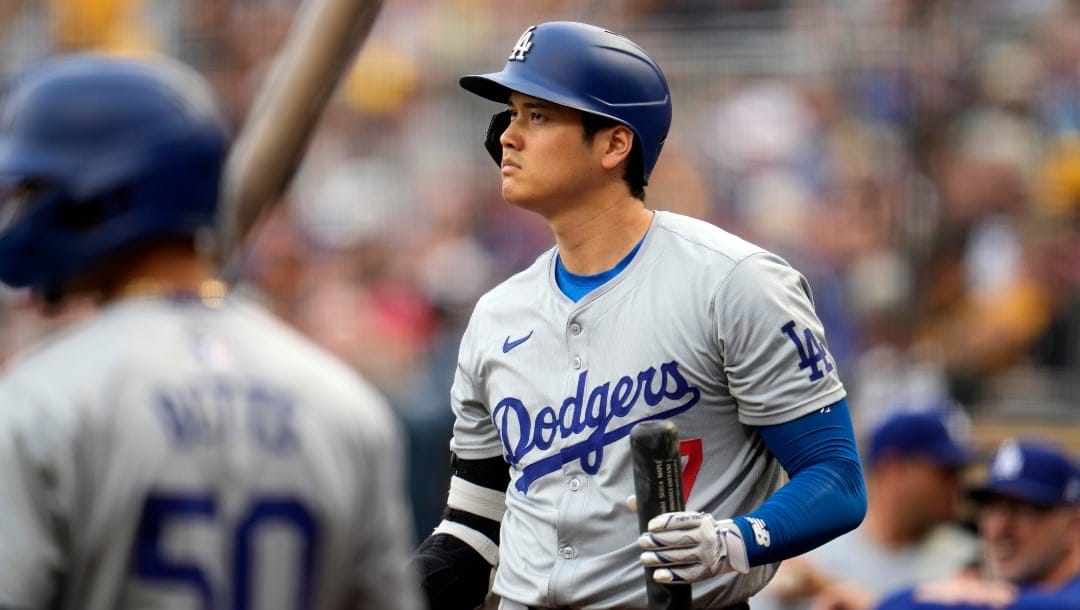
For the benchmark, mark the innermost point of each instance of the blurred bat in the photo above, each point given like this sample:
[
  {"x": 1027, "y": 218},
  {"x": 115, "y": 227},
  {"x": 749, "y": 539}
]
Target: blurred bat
[{"x": 322, "y": 42}]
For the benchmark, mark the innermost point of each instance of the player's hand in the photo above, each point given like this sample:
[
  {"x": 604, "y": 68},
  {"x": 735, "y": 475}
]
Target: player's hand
[
  {"x": 689, "y": 547},
  {"x": 967, "y": 590},
  {"x": 798, "y": 579}
]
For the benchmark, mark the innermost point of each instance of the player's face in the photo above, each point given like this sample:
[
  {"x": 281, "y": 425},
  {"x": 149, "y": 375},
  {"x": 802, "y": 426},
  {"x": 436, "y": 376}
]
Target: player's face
[
  {"x": 1026, "y": 544},
  {"x": 546, "y": 161},
  {"x": 933, "y": 491}
]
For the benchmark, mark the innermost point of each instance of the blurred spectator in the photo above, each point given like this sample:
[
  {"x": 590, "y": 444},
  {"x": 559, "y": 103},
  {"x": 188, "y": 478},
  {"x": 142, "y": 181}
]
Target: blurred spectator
[
  {"x": 275, "y": 265},
  {"x": 910, "y": 534},
  {"x": 110, "y": 26},
  {"x": 1029, "y": 524}
]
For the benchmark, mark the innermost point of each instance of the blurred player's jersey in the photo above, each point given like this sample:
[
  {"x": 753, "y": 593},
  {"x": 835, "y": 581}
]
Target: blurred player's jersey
[
  {"x": 701, "y": 328},
  {"x": 167, "y": 454}
]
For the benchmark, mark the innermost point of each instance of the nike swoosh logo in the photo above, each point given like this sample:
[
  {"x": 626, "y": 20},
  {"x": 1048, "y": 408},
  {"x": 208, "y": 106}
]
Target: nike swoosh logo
[{"x": 509, "y": 345}]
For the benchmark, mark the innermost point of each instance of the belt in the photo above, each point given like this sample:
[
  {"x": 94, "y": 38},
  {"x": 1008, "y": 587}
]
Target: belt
[{"x": 509, "y": 605}]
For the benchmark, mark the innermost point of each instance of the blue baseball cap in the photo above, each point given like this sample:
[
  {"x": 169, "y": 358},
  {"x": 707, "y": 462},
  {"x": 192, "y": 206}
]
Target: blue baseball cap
[
  {"x": 918, "y": 434},
  {"x": 1031, "y": 472}
]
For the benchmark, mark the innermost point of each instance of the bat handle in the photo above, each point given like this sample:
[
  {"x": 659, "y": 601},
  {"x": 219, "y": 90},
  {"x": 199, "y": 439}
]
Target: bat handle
[{"x": 658, "y": 488}]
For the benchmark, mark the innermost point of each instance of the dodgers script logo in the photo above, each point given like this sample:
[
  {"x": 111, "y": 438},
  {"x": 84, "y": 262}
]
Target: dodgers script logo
[{"x": 588, "y": 414}]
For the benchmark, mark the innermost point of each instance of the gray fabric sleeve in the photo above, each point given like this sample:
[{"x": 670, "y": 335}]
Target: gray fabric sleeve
[{"x": 775, "y": 357}]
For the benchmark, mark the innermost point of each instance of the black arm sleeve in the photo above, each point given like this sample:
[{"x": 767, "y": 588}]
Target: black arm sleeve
[{"x": 454, "y": 576}]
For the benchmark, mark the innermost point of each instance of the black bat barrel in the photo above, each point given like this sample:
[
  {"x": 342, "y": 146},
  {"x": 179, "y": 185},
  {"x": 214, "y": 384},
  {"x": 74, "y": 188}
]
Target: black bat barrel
[{"x": 658, "y": 487}]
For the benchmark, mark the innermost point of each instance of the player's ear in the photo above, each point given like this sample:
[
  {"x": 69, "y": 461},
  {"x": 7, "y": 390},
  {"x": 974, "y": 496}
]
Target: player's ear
[{"x": 619, "y": 142}]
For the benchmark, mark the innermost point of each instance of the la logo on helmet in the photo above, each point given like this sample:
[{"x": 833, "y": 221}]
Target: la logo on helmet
[{"x": 523, "y": 45}]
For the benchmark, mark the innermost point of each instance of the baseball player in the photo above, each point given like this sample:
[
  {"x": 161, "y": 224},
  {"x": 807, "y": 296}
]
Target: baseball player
[
  {"x": 181, "y": 448},
  {"x": 634, "y": 315},
  {"x": 1028, "y": 517}
]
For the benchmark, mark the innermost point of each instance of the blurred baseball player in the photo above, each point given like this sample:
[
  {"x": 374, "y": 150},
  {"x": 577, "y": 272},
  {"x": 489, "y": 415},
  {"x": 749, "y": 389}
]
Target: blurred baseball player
[
  {"x": 1028, "y": 511},
  {"x": 182, "y": 448},
  {"x": 634, "y": 315}
]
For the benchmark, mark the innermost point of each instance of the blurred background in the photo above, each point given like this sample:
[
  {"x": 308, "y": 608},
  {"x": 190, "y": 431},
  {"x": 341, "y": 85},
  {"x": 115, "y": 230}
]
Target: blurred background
[{"x": 918, "y": 161}]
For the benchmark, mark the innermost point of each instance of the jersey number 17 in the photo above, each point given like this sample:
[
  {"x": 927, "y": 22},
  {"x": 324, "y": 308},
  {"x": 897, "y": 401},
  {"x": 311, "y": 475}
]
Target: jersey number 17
[{"x": 690, "y": 452}]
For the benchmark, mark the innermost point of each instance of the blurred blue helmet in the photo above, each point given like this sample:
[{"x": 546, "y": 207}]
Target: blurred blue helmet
[
  {"x": 592, "y": 70},
  {"x": 98, "y": 154}
]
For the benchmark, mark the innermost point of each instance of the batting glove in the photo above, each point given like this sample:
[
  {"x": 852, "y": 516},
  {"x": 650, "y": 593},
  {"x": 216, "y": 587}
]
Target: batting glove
[{"x": 688, "y": 547}]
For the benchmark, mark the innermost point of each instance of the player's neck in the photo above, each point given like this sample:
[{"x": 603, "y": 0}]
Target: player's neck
[
  {"x": 594, "y": 238},
  {"x": 168, "y": 269}
]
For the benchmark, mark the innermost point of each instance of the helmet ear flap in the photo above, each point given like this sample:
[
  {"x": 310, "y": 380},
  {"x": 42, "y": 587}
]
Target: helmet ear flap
[{"x": 499, "y": 122}]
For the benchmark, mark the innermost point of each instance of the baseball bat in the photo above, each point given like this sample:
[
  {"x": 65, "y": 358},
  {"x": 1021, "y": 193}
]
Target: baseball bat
[
  {"x": 658, "y": 489},
  {"x": 322, "y": 41}
]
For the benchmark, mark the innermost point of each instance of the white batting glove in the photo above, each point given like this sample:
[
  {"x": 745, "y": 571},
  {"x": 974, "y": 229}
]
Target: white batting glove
[{"x": 690, "y": 547}]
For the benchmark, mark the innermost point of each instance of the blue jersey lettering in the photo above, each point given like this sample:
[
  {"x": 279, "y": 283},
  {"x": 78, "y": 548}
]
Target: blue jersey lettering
[
  {"x": 589, "y": 412},
  {"x": 811, "y": 352},
  {"x": 213, "y": 411}
]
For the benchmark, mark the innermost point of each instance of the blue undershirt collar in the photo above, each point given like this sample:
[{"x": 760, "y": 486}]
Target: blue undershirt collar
[{"x": 575, "y": 286}]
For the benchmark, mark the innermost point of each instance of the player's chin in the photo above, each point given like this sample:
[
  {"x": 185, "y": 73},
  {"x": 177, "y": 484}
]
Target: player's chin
[
  {"x": 514, "y": 193},
  {"x": 1006, "y": 565}
]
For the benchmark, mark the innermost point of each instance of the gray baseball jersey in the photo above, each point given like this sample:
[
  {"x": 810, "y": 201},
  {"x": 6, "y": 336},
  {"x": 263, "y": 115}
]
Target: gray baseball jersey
[
  {"x": 165, "y": 454},
  {"x": 701, "y": 328}
]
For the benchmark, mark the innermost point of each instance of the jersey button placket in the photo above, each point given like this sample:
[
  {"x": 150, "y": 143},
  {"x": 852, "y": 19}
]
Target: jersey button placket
[
  {"x": 573, "y": 329},
  {"x": 575, "y": 496}
]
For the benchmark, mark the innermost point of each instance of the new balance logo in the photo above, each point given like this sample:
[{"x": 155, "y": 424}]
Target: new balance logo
[
  {"x": 524, "y": 44},
  {"x": 761, "y": 531},
  {"x": 509, "y": 345}
]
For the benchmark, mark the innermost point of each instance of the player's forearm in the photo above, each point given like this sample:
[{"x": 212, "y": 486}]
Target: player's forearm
[
  {"x": 826, "y": 495},
  {"x": 455, "y": 561},
  {"x": 820, "y": 505}
]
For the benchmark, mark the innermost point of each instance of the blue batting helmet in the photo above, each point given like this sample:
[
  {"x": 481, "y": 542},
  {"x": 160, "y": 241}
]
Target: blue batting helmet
[
  {"x": 592, "y": 70},
  {"x": 98, "y": 154}
]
